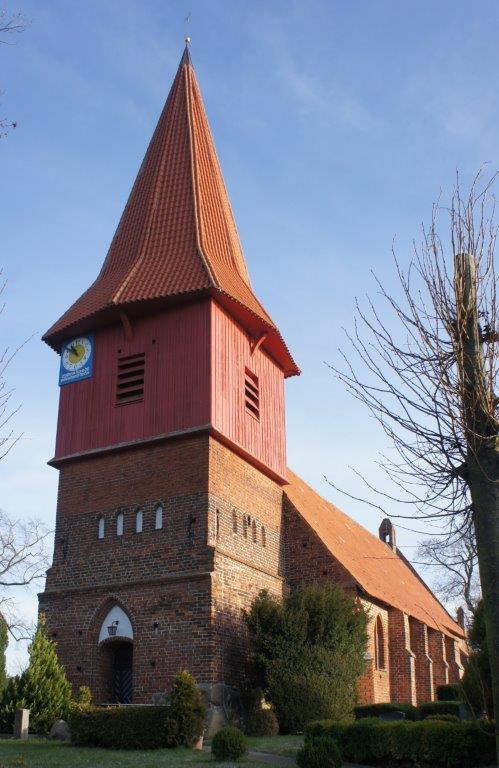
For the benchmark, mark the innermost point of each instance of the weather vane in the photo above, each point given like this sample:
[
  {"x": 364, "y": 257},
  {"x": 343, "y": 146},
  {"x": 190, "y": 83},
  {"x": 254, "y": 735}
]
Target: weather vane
[{"x": 187, "y": 39}]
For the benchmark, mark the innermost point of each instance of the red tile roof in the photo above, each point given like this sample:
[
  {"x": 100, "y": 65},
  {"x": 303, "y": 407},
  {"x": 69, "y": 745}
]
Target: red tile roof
[
  {"x": 379, "y": 571},
  {"x": 177, "y": 235}
]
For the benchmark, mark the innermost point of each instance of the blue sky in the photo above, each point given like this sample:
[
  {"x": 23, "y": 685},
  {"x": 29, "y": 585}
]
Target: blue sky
[{"x": 337, "y": 124}]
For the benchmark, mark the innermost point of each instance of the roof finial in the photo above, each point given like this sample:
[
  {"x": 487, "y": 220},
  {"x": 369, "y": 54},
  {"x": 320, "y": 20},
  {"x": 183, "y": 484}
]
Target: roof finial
[{"x": 187, "y": 40}]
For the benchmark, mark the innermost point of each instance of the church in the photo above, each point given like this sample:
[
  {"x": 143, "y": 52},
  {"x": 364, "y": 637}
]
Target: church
[{"x": 175, "y": 504}]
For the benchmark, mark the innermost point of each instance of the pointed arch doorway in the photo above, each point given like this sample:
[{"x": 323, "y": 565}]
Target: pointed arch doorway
[{"x": 116, "y": 657}]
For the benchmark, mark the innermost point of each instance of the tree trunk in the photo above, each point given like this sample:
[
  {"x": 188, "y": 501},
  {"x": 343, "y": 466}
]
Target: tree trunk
[
  {"x": 484, "y": 488},
  {"x": 482, "y": 463}
]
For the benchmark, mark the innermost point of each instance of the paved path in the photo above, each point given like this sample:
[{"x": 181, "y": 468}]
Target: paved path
[
  {"x": 287, "y": 762},
  {"x": 267, "y": 757}
]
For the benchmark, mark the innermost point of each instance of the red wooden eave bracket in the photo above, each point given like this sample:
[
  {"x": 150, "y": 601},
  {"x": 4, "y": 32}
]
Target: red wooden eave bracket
[
  {"x": 127, "y": 326},
  {"x": 256, "y": 343}
]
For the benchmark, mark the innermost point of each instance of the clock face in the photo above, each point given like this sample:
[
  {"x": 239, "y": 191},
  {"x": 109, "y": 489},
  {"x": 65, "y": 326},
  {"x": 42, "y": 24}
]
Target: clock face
[
  {"x": 76, "y": 354},
  {"x": 77, "y": 358}
]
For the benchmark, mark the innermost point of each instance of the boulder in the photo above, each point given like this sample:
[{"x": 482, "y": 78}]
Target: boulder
[{"x": 60, "y": 731}]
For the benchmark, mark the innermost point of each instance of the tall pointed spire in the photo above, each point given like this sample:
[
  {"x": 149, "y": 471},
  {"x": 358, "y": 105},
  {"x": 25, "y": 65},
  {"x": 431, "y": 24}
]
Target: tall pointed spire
[{"x": 177, "y": 235}]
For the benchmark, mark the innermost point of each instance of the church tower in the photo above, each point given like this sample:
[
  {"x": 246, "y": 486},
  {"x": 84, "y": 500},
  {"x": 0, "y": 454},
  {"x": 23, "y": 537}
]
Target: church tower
[{"x": 171, "y": 434}]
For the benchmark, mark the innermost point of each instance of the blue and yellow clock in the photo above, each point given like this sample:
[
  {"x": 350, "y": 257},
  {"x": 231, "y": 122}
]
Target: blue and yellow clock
[{"x": 77, "y": 359}]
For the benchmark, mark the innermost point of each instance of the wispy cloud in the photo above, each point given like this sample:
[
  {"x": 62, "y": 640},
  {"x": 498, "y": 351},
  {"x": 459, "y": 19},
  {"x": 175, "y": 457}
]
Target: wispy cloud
[{"x": 313, "y": 90}]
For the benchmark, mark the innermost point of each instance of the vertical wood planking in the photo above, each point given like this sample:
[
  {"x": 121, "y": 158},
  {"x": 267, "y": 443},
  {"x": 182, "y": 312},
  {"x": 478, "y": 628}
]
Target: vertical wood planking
[
  {"x": 176, "y": 384},
  {"x": 264, "y": 438}
]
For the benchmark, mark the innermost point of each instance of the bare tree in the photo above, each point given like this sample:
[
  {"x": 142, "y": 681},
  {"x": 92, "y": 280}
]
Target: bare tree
[
  {"x": 427, "y": 371},
  {"x": 454, "y": 568},
  {"x": 7, "y": 436},
  {"x": 23, "y": 562},
  {"x": 10, "y": 25}
]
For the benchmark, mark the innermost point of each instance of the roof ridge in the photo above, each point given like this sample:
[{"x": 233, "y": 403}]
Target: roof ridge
[{"x": 195, "y": 181}]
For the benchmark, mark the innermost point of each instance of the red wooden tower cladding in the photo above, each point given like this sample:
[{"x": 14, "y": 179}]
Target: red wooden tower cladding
[{"x": 175, "y": 507}]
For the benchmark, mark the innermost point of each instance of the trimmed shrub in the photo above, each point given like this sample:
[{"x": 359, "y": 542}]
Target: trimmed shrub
[
  {"x": 324, "y": 729},
  {"x": 431, "y": 743},
  {"x": 186, "y": 713},
  {"x": 444, "y": 718},
  {"x": 322, "y": 752},
  {"x": 262, "y": 722},
  {"x": 441, "y": 708},
  {"x": 229, "y": 744},
  {"x": 449, "y": 692},
  {"x": 376, "y": 710},
  {"x": 130, "y": 727}
]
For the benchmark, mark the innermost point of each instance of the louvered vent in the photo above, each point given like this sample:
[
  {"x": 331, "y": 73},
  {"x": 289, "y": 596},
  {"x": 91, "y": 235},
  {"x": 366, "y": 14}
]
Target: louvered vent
[
  {"x": 251, "y": 393},
  {"x": 130, "y": 383}
]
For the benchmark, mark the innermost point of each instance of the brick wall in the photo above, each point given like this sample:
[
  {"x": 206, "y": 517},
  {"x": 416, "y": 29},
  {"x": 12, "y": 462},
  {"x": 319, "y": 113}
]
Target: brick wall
[
  {"x": 452, "y": 652},
  {"x": 402, "y": 660},
  {"x": 245, "y": 531},
  {"x": 374, "y": 685},
  {"x": 436, "y": 647},
  {"x": 422, "y": 660},
  {"x": 307, "y": 559}
]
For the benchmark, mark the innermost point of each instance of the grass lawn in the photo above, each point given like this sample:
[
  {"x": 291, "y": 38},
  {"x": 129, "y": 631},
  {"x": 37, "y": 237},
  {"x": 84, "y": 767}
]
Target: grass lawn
[
  {"x": 276, "y": 745},
  {"x": 39, "y": 753}
]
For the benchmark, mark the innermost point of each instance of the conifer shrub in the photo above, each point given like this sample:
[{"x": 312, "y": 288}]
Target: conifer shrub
[
  {"x": 187, "y": 712},
  {"x": 476, "y": 683},
  {"x": 43, "y": 687},
  {"x": 229, "y": 744},
  {"x": 308, "y": 653},
  {"x": 84, "y": 697},
  {"x": 323, "y": 752},
  {"x": 449, "y": 692}
]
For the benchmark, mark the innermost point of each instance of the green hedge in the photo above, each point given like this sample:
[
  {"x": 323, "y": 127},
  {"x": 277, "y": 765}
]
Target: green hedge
[
  {"x": 128, "y": 727},
  {"x": 444, "y": 717},
  {"x": 375, "y": 710},
  {"x": 431, "y": 743},
  {"x": 319, "y": 753},
  {"x": 441, "y": 708},
  {"x": 449, "y": 692}
]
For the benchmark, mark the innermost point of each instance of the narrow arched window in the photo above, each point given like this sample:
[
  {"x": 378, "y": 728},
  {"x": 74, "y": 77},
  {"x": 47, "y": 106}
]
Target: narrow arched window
[
  {"x": 139, "y": 520},
  {"x": 253, "y": 531},
  {"x": 120, "y": 524},
  {"x": 218, "y": 523},
  {"x": 245, "y": 526},
  {"x": 234, "y": 521},
  {"x": 158, "y": 517},
  {"x": 264, "y": 537},
  {"x": 101, "y": 527},
  {"x": 379, "y": 644}
]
